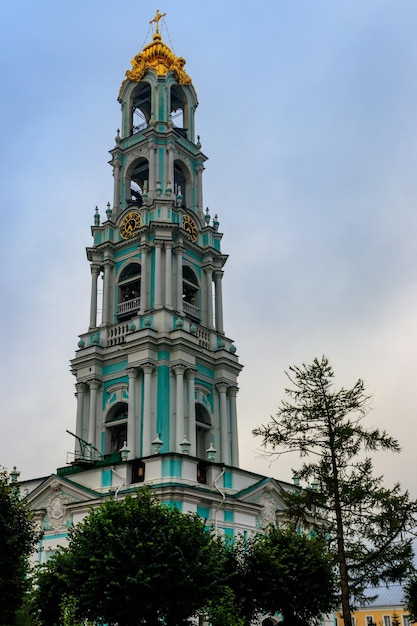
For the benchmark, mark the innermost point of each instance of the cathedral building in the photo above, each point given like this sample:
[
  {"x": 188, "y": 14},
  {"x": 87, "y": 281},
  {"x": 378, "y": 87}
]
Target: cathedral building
[{"x": 156, "y": 374}]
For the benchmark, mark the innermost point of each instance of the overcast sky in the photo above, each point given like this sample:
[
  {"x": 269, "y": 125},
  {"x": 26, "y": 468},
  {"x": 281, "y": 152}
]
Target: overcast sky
[{"x": 308, "y": 114}]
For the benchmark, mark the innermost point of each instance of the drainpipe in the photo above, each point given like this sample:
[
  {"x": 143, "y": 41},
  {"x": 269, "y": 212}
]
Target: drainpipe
[
  {"x": 223, "y": 495},
  {"x": 121, "y": 484}
]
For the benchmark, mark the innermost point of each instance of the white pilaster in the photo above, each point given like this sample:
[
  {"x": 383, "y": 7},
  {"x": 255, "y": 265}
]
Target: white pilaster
[
  {"x": 192, "y": 433},
  {"x": 179, "y": 370},
  {"x": 218, "y": 275},
  {"x": 209, "y": 281},
  {"x": 158, "y": 275},
  {"x": 168, "y": 274},
  {"x": 106, "y": 292},
  {"x": 224, "y": 435},
  {"x": 94, "y": 386},
  {"x": 116, "y": 193},
  {"x": 147, "y": 413},
  {"x": 132, "y": 435},
  {"x": 95, "y": 270},
  {"x": 143, "y": 279},
  {"x": 179, "y": 251},
  {"x": 234, "y": 434},
  {"x": 80, "y": 387}
]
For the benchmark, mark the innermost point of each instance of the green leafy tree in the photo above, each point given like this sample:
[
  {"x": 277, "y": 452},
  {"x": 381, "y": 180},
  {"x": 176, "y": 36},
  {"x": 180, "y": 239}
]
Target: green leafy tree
[
  {"x": 368, "y": 527},
  {"x": 289, "y": 573},
  {"x": 410, "y": 591},
  {"x": 133, "y": 562},
  {"x": 395, "y": 619},
  {"x": 18, "y": 539}
]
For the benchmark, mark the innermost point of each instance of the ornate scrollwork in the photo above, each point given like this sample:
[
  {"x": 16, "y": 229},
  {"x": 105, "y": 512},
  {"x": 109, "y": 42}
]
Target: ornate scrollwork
[{"x": 190, "y": 228}]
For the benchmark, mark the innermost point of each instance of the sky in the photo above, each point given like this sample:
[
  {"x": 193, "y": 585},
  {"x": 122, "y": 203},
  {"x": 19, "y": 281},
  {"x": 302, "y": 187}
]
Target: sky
[{"x": 308, "y": 114}]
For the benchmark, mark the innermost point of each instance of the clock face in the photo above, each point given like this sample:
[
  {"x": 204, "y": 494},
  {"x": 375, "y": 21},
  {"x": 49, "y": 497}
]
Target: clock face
[
  {"x": 130, "y": 223},
  {"x": 190, "y": 227}
]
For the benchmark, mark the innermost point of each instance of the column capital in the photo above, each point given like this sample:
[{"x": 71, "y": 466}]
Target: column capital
[
  {"x": 80, "y": 387},
  {"x": 222, "y": 387},
  {"x": 218, "y": 273},
  {"x": 95, "y": 268},
  {"x": 148, "y": 368},
  {"x": 158, "y": 243},
  {"x": 94, "y": 384},
  {"x": 108, "y": 263},
  {"x": 168, "y": 244},
  {"x": 191, "y": 373},
  {"x": 179, "y": 249},
  {"x": 132, "y": 372},
  {"x": 179, "y": 369},
  {"x": 209, "y": 268},
  {"x": 233, "y": 391}
]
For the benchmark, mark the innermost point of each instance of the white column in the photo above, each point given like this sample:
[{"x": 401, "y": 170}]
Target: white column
[
  {"x": 131, "y": 414},
  {"x": 192, "y": 433},
  {"x": 224, "y": 435},
  {"x": 106, "y": 292},
  {"x": 179, "y": 250},
  {"x": 143, "y": 279},
  {"x": 234, "y": 434},
  {"x": 80, "y": 387},
  {"x": 199, "y": 170},
  {"x": 158, "y": 275},
  {"x": 168, "y": 274},
  {"x": 209, "y": 279},
  {"x": 94, "y": 385},
  {"x": 218, "y": 275},
  {"x": 180, "y": 427},
  {"x": 151, "y": 168},
  {"x": 95, "y": 270},
  {"x": 171, "y": 166},
  {"x": 148, "y": 436},
  {"x": 116, "y": 193}
]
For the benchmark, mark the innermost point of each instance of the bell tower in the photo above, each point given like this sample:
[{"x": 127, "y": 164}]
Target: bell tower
[{"x": 155, "y": 372}]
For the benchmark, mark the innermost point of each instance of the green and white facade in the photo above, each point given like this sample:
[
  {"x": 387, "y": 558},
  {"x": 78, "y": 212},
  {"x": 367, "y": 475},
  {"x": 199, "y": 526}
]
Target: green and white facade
[{"x": 156, "y": 374}]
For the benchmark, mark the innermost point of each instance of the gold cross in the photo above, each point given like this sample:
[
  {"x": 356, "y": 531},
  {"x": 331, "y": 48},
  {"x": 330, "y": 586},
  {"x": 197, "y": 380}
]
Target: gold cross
[{"x": 156, "y": 19}]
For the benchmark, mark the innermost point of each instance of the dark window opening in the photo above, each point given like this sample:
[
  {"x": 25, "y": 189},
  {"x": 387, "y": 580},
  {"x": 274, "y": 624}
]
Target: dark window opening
[
  {"x": 141, "y": 108},
  {"x": 190, "y": 294},
  {"x": 178, "y": 103},
  {"x": 129, "y": 291},
  {"x": 202, "y": 473},
  {"x": 138, "y": 182},
  {"x": 180, "y": 183},
  {"x": 138, "y": 471}
]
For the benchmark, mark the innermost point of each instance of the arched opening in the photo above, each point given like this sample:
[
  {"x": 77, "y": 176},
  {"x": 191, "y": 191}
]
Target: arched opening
[
  {"x": 129, "y": 291},
  {"x": 182, "y": 180},
  {"x": 203, "y": 431},
  {"x": 269, "y": 621},
  {"x": 139, "y": 178},
  {"x": 177, "y": 110},
  {"x": 116, "y": 428},
  {"x": 190, "y": 294},
  {"x": 141, "y": 108}
]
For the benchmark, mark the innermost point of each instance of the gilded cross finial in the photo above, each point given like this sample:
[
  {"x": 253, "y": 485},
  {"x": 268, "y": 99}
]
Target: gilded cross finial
[{"x": 156, "y": 19}]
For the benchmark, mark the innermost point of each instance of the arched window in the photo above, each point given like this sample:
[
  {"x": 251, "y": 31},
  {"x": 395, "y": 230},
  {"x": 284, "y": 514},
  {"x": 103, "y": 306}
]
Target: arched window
[
  {"x": 178, "y": 105},
  {"x": 141, "y": 108},
  {"x": 116, "y": 428},
  {"x": 129, "y": 291},
  {"x": 203, "y": 431},
  {"x": 182, "y": 179},
  {"x": 190, "y": 294},
  {"x": 139, "y": 178}
]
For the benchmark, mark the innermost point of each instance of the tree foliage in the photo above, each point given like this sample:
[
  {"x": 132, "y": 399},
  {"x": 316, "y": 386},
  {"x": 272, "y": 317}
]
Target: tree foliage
[
  {"x": 132, "y": 562},
  {"x": 285, "y": 572},
  {"x": 410, "y": 590},
  {"x": 368, "y": 526},
  {"x": 18, "y": 538}
]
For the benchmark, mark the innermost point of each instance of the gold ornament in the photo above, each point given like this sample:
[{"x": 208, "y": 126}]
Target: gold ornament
[{"x": 190, "y": 228}]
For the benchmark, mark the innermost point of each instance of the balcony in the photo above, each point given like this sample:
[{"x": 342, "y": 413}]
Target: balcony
[
  {"x": 128, "y": 306},
  {"x": 191, "y": 310}
]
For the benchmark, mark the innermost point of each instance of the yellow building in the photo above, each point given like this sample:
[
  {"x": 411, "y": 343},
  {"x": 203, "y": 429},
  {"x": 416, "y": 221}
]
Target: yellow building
[{"x": 386, "y": 610}]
